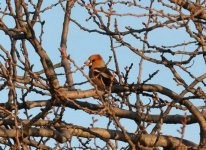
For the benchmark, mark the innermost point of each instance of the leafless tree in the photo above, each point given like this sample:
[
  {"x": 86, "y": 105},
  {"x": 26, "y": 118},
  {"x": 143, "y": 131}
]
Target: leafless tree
[{"x": 35, "y": 103}]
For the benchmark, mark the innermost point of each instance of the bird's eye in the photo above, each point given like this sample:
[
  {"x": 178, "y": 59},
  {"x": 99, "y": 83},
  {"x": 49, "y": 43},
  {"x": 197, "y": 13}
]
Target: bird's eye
[{"x": 93, "y": 60}]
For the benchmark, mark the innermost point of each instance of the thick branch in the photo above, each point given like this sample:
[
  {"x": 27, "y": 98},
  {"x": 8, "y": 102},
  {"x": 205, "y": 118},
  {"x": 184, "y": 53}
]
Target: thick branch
[
  {"x": 130, "y": 88},
  {"x": 63, "y": 134},
  {"x": 122, "y": 113}
]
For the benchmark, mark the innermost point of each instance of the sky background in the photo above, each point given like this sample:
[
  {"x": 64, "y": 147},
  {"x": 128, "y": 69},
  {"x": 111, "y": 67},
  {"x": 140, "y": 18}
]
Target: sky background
[{"x": 82, "y": 44}]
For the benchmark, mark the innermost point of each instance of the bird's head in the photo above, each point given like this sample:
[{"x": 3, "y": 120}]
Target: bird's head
[{"x": 95, "y": 61}]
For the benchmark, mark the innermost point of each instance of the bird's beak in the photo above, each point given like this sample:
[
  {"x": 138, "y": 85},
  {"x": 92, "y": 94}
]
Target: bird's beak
[{"x": 88, "y": 63}]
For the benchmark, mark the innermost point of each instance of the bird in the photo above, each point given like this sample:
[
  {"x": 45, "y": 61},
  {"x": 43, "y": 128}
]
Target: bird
[{"x": 99, "y": 74}]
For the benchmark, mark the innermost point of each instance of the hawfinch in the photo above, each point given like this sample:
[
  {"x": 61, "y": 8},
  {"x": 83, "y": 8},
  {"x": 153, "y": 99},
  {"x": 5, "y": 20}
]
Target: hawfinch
[{"x": 99, "y": 73}]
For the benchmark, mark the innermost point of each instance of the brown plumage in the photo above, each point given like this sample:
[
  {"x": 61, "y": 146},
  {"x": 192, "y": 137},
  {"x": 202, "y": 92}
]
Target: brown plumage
[{"x": 99, "y": 73}]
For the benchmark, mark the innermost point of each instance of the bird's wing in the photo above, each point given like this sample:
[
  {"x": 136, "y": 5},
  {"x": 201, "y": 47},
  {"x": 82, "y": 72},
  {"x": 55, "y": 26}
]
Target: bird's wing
[
  {"x": 104, "y": 75},
  {"x": 103, "y": 72}
]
